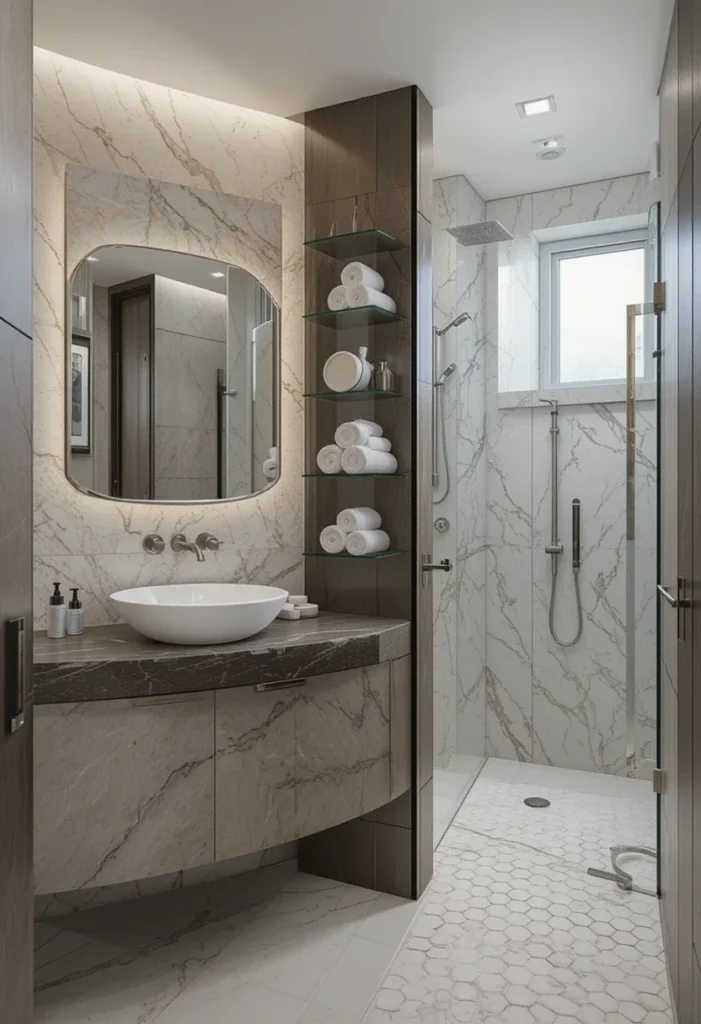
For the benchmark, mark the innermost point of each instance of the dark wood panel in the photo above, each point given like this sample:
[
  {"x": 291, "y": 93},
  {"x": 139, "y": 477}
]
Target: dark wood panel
[
  {"x": 16, "y": 880},
  {"x": 16, "y": 167},
  {"x": 340, "y": 153},
  {"x": 685, "y": 563},
  {"x": 394, "y": 139}
]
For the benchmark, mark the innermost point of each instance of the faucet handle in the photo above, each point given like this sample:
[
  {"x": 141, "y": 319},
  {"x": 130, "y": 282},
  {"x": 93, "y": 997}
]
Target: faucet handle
[
  {"x": 208, "y": 541},
  {"x": 153, "y": 543}
]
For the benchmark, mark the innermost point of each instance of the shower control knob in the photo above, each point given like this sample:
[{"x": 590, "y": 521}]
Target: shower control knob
[{"x": 442, "y": 525}]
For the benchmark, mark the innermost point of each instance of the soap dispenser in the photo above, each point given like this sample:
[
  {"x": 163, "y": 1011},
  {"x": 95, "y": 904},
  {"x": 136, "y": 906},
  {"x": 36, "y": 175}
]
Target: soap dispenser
[
  {"x": 74, "y": 615},
  {"x": 57, "y": 615}
]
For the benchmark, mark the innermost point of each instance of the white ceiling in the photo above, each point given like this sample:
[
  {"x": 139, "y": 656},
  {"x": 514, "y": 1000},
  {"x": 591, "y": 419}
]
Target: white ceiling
[
  {"x": 474, "y": 59},
  {"x": 115, "y": 264}
]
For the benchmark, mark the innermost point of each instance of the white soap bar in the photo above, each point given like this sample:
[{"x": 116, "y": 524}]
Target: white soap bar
[
  {"x": 297, "y": 599},
  {"x": 308, "y": 611},
  {"x": 288, "y": 612}
]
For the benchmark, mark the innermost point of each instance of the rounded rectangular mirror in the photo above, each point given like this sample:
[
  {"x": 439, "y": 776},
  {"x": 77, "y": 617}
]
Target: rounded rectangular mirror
[{"x": 172, "y": 377}]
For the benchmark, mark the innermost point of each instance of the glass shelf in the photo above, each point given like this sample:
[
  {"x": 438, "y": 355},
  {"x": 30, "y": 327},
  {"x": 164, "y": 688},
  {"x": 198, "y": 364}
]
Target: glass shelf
[
  {"x": 361, "y": 316},
  {"x": 355, "y": 243},
  {"x": 346, "y": 554},
  {"x": 352, "y": 396},
  {"x": 352, "y": 476}
]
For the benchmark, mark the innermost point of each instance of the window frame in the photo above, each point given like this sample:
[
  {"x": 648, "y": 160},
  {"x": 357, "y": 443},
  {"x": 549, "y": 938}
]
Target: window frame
[{"x": 551, "y": 256}]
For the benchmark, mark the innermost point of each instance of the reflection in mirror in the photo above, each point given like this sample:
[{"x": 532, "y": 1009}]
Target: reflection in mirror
[{"x": 173, "y": 377}]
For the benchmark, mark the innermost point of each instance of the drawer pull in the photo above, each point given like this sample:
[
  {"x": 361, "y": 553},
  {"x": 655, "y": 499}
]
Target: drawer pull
[
  {"x": 280, "y": 684},
  {"x": 15, "y": 673}
]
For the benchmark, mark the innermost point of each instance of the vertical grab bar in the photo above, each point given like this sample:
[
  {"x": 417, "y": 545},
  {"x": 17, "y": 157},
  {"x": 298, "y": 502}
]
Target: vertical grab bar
[{"x": 576, "y": 556}]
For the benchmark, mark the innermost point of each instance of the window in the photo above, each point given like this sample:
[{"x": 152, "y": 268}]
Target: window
[{"x": 586, "y": 284}]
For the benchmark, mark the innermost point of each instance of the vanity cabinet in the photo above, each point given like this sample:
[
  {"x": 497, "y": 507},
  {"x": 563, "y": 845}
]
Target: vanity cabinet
[
  {"x": 123, "y": 789},
  {"x": 132, "y": 788}
]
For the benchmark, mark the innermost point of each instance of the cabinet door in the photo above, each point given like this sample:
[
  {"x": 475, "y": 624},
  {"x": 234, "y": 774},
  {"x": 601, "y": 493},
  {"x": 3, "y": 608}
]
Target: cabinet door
[
  {"x": 124, "y": 789},
  {"x": 255, "y": 766},
  {"x": 343, "y": 747}
]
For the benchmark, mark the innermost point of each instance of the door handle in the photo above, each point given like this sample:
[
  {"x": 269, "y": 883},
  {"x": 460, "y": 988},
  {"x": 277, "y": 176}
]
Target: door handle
[
  {"x": 681, "y": 602},
  {"x": 15, "y": 673}
]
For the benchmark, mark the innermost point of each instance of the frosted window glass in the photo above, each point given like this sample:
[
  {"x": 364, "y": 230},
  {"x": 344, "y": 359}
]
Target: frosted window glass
[{"x": 594, "y": 292}]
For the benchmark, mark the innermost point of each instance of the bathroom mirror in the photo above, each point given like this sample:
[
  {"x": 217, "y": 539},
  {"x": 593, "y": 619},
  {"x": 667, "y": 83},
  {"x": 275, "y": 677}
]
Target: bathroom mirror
[{"x": 172, "y": 377}]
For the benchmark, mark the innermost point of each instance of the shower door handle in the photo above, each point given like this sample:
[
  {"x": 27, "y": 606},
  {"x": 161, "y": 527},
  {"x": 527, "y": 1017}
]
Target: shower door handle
[
  {"x": 445, "y": 565},
  {"x": 681, "y": 602}
]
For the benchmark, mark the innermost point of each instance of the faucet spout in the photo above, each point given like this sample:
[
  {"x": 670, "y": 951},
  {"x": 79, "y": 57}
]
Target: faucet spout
[{"x": 179, "y": 542}]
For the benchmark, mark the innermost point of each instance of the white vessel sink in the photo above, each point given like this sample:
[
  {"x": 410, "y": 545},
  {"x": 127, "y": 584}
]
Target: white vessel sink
[{"x": 200, "y": 613}]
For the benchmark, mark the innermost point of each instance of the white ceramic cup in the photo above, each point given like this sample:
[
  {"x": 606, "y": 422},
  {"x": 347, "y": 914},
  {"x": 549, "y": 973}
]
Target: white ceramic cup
[{"x": 346, "y": 371}]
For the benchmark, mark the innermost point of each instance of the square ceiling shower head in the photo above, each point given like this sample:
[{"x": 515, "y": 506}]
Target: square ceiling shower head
[{"x": 481, "y": 234}]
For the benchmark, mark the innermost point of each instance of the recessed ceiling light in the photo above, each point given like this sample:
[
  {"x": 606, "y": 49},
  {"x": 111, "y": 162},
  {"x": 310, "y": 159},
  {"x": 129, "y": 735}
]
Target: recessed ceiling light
[
  {"x": 92, "y": 259},
  {"x": 549, "y": 149},
  {"x": 217, "y": 273},
  {"x": 528, "y": 108}
]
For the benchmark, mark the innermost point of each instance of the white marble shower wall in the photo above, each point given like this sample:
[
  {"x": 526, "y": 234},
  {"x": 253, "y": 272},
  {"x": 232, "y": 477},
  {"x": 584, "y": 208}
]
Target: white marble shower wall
[
  {"x": 112, "y": 123},
  {"x": 460, "y": 596},
  {"x": 546, "y": 703}
]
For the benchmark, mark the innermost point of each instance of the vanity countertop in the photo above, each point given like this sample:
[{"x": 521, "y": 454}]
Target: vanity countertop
[{"x": 109, "y": 662}]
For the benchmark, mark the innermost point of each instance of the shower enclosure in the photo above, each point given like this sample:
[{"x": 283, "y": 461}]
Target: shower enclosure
[{"x": 546, "y": 633}]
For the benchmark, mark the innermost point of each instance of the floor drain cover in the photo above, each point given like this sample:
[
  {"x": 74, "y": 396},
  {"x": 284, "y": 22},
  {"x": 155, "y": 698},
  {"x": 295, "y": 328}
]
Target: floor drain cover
[{"x": 536, "y": 801}]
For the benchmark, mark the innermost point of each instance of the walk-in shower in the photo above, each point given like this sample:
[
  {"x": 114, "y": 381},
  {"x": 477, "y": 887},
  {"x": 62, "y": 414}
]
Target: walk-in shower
[{"x": 555, "y": 548}]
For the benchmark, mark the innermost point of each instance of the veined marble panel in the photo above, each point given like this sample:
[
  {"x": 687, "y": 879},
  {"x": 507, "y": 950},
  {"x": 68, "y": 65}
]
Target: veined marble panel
[
  {"x": 197, "y": 312},
  {"x": 343, "y": 747},
  {"x": 255, "y": 733},
  {"x": 111, "y": 123},
  {"x": 594, "y": 201},
  {"x": 102, "y": 817},
  {"x": 186, "y": 380}
]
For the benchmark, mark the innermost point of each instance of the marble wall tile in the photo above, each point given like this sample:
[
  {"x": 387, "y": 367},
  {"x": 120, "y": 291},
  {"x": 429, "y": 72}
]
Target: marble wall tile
[
  {"x": 343, "y": 747},
  {"x": 111, "y": 123},
  {"x": 400, "y": 727},
  {"x": 255, "y": 735},
  {"x": 196, "y": 312},
  {"x": 558, "y": 705},
  {"x": 102, "y": 818}
]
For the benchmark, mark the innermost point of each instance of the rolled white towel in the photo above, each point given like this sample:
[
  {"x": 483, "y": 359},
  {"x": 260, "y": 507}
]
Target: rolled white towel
[
  {"x": 338, "y": 298},
  {"x": 358, "y": 459},
  {"x": 333, "y": 539},
  {"x": 329, "y": 459},
  {"x": 363, "y": 518},
  {"x": 379, "y": 444},
  {"x": 270, "y": 469},
  {"x": 356, "y": 432},
  {"x": 273, "y": 453},
  {"x": 361, "y": 295},
  {"x": 308, "y": 611},
  {"x": 357, "y": 273},
  {"x": 367, "y": 542},
  {"x": 288, "y": 611}
]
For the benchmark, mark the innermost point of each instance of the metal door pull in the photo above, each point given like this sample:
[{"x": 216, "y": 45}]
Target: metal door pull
[{"x": 15, "y": 673}]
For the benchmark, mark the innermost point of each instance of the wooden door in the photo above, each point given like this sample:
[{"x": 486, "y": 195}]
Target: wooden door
[{"x": 16, "y": 880}]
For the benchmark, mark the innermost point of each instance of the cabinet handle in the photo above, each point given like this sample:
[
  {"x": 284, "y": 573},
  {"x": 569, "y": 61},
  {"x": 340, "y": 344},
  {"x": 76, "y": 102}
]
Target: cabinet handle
[
  {"x": 279, "y": 684},
  {"x": 15, "y": 673}
]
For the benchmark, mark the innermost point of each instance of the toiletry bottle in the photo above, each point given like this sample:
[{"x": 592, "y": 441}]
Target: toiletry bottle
[
  {"x": 74, "y": 615},
  {"x": 383, "y": 378},
  {"x": 57, "y": 615}
]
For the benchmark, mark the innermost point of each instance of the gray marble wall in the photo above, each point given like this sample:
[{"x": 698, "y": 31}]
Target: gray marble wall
[{"x": 95, "y": 118}]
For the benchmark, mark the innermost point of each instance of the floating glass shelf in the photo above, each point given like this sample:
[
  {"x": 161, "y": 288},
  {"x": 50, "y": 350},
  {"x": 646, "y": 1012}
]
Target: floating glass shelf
[
  {"x": 355, "y": 243},
  {"x": 353, "y": 476},
  {"x": 352, "y": 396},
  {"x": 346, "y": 554},
  {"x": 361, "y": 316}
]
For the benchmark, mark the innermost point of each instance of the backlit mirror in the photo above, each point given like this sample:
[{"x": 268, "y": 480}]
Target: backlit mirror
[{"x": 172, "y": 389}]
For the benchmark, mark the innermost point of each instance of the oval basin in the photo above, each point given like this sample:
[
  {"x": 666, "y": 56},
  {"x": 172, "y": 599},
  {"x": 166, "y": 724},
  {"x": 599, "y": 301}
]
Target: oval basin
[{"x": 200, "y": 613}]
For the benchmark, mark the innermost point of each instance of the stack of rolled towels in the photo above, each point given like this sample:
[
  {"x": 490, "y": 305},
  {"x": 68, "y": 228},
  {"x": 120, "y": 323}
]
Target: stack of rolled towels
[
  {"x": 359, "y": 448},
  {"x": 360, "y": 286},
  {"x": 357, "y": 531},
  {"x": 270, "y": 465}
]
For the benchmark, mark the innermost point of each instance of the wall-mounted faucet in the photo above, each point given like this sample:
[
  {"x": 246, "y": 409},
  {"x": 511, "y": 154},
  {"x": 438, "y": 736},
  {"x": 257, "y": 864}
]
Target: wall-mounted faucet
[{"x": 204, "y": 542}]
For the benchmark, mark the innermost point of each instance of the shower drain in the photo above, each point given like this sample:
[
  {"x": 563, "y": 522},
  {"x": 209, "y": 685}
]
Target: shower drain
[{"x": 536, "y": 801}]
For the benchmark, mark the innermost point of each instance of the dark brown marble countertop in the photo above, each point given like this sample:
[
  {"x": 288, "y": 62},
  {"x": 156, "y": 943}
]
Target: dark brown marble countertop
[{"x": 108, "y": 662}]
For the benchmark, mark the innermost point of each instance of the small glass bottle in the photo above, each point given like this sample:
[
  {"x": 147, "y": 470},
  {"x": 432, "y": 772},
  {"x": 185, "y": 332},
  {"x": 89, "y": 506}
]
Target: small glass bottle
[
  {"x": 383, "y": 379},
  {"x": 74, "y": 615},
  {"x": 56, "y": 625}
]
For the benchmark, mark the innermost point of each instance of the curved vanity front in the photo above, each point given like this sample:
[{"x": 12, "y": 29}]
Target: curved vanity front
[{"x": 151, "y": 759}]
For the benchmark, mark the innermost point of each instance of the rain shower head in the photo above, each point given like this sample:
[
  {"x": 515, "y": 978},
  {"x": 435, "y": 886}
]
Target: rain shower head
[{"x": 481, "y": 234}]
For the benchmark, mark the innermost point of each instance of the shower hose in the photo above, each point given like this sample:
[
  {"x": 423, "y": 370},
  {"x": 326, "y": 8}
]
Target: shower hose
[
  {"x": 444, "y": 447},
  {"x": 580, "y": 618}
]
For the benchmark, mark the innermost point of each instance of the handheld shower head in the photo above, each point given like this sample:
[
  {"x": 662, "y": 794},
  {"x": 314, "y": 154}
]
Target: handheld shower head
[
  {"x": 455, "y": 322},
  {"x": 448, "y": 372}
]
